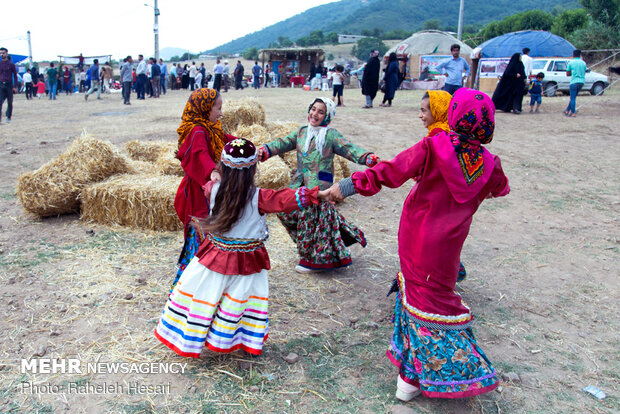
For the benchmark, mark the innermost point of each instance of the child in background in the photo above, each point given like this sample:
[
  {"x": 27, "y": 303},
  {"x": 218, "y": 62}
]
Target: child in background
[
  {"x": 221, "y": 299},
  {"x": 338, "y": 84},
  {"x": 536, "y": 89},
  {"x": 39, "y": 87},
  {"x": 321, "y": 233},
  {"x": 201, "y": 140},
  {"x": 433, "y": 344},
  {"x": 434, "y": 117}
]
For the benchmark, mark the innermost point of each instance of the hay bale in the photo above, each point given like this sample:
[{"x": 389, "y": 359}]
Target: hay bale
[
  {"x": 280, "y": 129},
  {"x": 290, "y": 158},
  {"x": 148, "y": 150},
  {"x": 246, "y": 111},
  {"x": 142, "y": 167},
  {"x": 54, "y": 188},
  {"x": 169, "y": 164},
  {"x": 341, "y": 168},
  {"x": 256, "y": 133},
  {"x": 139, "y": 201},
  {"x": 273, "y": 173}
]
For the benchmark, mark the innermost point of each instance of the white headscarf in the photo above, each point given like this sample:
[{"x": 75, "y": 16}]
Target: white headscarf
[{"x": 319, "y": 133}]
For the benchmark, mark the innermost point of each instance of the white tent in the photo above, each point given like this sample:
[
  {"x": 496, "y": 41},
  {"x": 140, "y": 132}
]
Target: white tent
[{"x": 425, "y": 48}]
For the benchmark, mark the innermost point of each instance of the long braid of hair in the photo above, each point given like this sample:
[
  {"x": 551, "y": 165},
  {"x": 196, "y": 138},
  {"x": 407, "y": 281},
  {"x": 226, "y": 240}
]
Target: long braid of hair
[{"x": 236, "y": 191}]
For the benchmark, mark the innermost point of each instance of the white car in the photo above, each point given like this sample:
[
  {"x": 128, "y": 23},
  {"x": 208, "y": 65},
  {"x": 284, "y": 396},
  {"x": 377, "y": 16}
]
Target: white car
[{"x": 557, "y": 80}]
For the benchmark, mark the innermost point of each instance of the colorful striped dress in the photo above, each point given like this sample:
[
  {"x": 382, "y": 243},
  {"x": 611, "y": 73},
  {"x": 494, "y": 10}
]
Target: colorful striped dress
[{"x": 221, "y": 300}]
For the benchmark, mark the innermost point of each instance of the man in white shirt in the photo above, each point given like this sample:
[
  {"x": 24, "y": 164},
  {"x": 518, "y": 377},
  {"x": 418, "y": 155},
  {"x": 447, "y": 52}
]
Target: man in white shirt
[
  {"x": 192, "y": 75},
  {"x": 527, "y": 63},
  {"x": 141, "y": 77},
  {"x": 218, "y": 71},
  {"x": 28, "y": 84}
]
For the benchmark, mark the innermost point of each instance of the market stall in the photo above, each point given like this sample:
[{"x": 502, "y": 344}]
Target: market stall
[{"x": 293, "y": 62}]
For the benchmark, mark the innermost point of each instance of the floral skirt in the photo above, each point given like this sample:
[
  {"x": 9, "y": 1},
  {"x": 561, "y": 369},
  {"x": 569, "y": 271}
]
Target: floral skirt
[
  {"x": 442, "y": 363},
  {"x": 222, "y": 312},
  {"x": 190, "y": 247},
  {"x": 322, "y": 235}
]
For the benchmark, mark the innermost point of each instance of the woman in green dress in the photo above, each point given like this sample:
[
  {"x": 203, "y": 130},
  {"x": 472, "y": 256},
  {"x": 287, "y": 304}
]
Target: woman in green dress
[{"x": 322, "y": 234}]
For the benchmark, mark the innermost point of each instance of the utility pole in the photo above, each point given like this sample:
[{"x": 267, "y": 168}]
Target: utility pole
[
  {"x": 156, "y": 31},
  {"x": 29, "y": 48},
  {"x": 461, "y": 11}
]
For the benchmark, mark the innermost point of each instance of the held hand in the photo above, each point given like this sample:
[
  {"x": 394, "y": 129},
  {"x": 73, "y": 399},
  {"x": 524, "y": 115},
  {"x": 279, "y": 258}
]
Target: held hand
[
  {"x": 336, "y": 194},
  {"x": 215, "y": 176},
  {"x": 325, "y": 195},
  {"x": 260, "y": 153}
]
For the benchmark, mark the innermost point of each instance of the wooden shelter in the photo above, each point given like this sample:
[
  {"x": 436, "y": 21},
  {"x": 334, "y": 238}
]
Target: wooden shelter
[{"x": 290, "y": 62}]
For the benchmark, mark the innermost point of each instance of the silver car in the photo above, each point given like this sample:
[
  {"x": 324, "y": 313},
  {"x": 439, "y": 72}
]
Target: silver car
[{"x": 557, "y": 80}]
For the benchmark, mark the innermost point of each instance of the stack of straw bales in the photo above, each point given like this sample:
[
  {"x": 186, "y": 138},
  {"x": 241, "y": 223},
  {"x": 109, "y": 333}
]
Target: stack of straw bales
[
  {"x": 54, "y": 188},
  {"x": 148, "y": 150},
  {"x": 168, "y": 164},
  {"x": 256, "y": 133},
  {"x": 154, "y": 157},
  {"x": 246, "y": 111},
  {"x": 140, "y": 201},
  {"x": 273, "y": 173}
]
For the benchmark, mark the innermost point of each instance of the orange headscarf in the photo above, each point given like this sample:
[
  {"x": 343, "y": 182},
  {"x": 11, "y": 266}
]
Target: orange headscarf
[
  {"x": 439, "y": 102},
  {"x": 196, "y": 112}
]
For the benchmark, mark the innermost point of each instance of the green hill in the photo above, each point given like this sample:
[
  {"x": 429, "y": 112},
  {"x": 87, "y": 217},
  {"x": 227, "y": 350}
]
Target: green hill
[{"x": 353, "y": 16}]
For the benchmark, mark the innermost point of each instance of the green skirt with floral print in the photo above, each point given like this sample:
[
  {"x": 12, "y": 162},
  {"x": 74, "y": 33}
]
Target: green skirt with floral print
[{"x": 322, "y": 235}]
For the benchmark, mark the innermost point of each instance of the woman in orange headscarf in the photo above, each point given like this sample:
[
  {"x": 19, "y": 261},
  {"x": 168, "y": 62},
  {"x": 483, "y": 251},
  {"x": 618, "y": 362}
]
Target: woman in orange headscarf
[
  {"x": 201, "y": 141},
  {"x": 434, "y": 111}
]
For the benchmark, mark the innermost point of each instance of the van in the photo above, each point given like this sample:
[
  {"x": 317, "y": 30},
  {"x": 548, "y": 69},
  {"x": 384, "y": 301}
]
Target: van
[{"x": 557, "y": 80}]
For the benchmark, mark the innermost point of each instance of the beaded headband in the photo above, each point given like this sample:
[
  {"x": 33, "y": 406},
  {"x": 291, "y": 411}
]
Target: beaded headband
[{"x": 239, "y": 153}]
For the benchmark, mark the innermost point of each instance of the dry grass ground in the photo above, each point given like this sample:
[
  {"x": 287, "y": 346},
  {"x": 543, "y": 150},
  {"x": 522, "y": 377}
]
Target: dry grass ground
[{"x": 543, "y": 273}]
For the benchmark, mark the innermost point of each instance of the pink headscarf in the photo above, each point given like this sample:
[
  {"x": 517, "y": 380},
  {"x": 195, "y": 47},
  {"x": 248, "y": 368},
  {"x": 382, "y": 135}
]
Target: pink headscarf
[{"x": 462, "y": 159}]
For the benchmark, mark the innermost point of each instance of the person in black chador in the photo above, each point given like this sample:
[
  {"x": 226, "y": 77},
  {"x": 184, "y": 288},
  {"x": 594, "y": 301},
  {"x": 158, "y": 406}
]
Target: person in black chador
[
  {"x": 370, "y": 78},
  {"x": 508, "y": 95}
]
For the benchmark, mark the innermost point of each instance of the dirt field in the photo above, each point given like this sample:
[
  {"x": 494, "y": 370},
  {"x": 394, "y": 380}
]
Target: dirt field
[{"x": 542, "y": 274}]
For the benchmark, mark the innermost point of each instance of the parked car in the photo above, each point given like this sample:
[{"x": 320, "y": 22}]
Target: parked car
[{"x": 557, "y": 80}]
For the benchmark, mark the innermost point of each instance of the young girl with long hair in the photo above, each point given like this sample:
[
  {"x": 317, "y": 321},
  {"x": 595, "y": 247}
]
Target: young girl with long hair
[
  {"x": 433, "y": 344},
  {"x": 321, "y": 233},
  {"x": 221, "y": 299}
]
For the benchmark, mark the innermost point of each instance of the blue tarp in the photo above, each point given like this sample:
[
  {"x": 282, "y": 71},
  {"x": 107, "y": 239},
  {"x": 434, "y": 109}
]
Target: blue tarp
[
  {"x": 541, "y": 44},
  {"x": 17, "y": 58}
]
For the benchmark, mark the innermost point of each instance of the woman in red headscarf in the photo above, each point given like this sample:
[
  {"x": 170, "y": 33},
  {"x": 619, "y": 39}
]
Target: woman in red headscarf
[
  {"x": 433, "y": 344},
  {"x": 201, "y": 141}
]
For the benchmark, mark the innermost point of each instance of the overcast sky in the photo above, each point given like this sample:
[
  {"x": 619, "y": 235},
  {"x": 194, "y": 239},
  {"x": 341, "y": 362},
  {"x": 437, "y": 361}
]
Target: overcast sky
[{"x": 125, "y": 27}]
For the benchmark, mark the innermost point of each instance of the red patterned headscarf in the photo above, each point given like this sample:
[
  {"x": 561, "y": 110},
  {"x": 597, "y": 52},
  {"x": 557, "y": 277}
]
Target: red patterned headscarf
[
  {"x": 196, "y": 112},
  {"x": 472, "y": 122},
  {"x": 471, "y": 116}
]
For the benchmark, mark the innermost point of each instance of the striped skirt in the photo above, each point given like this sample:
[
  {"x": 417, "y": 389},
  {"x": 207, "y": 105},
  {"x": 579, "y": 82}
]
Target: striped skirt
[{"x": 224, "y": 313}]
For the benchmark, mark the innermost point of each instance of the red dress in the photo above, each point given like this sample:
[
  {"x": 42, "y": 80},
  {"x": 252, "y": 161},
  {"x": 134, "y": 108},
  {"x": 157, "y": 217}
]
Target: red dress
[{"x": 197, "y": 160}]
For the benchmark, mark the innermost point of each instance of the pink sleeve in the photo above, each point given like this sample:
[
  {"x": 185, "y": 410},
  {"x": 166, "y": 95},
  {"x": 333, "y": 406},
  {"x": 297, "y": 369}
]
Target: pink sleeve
[
  {"x": 394, "y": 173},
  {"x": 502, "y": 187},
  {"x": 286, "y": 200}
]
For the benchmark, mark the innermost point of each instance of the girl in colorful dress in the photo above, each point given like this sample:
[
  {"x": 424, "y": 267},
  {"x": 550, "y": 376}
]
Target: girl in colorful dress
[
  {"x": 201, "y": 140},
  {"x": 320, "y": 232},
  {"x": 221, "y": 299},
  {"x": 434, "y": 117},
  {"x": 433, "y": 344}
]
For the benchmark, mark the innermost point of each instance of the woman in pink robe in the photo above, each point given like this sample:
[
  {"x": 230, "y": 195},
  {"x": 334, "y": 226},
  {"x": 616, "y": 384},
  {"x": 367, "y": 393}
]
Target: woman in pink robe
[{"x": 433, "y": 344}]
